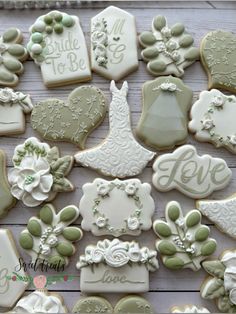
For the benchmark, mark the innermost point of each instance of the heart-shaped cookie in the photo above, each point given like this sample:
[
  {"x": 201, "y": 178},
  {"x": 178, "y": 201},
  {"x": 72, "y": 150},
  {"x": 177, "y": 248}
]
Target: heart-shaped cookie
[
  {"x": 70, "y": 121},
  {"x": 218, "y": 55}
]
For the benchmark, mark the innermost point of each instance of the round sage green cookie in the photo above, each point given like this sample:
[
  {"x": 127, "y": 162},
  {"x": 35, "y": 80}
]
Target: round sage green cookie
[
  {"x": 93, "y": 305},
  {"x": 133, "y": 304}
]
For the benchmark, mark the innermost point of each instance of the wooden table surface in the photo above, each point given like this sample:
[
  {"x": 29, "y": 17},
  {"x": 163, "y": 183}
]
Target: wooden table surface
[{"x": 167, "y": 288}]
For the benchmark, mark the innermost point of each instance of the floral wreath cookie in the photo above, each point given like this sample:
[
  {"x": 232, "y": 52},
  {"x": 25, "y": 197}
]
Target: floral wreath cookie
[
  {"x": 39, "y": 172},
  {"x": 116, "y": 207},
  {"x": 184, "y": 241},
  {"x": 58, "y": 46},
  {"x": 116, "y": 266},
  {"x": 213, "y": 119},
  {"x": 167, "y": 50},
  {"x": 12, "y": 54},
  {"x": 221, "y": 284},
  {"x": 13, "y": 107},
  {"x": 50, "y": 238}
]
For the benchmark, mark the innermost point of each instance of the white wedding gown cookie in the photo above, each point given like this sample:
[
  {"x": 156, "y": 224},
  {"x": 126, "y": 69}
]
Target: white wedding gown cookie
[{"x": 120, "y": 155}]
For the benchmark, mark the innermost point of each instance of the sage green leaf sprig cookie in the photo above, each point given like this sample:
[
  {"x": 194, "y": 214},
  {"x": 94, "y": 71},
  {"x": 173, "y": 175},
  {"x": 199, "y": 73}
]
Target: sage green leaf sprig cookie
[
  {"x": 39, "y": 172},
  {"x": 167, "y": 50},
  {"x": 184, "y": 241},
  {"x": 12, "y": 54},
  {"x": 220, "y": 285},
  {"x": 49, "y": 237}
]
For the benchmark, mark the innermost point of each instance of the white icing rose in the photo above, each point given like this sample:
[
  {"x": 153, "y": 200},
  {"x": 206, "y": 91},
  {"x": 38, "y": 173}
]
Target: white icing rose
[
  {"x": 131, "y": 189},
  {"x": 232, "y": 139},
  {"x": 31, "y": 181},
  {"x": 100, "y": 51},
  {"x": 39, "y": 302},
  {"x": 45, "y": 250},
  {"x": 229, "y": 260},
  {"x": 134, "y": 253},
  {"x": 98, "y": 38},
  {"x": 166, "y": 32},
  {"x": 207, "y": 124},
  {"x": 133, "y": 223},
  {"x": 116, "y": 255},
  {"x": 171, "y": 87},
  {"x": 103, "y": 189},
  {"x": 99, "y": 26},
  {"x": 218, "y": 101},
  {"x": 7, "y": 95},
  {"x": 101, "y": 222},
  {"x": 52, "y": 240},
  {"x": 58, "y": 229},
  {"x": 94, "y": 254},
  {"x": 172, "y": 45},
  {"x": 160, "y": 47},
  {"x": 175, "y": 55}
]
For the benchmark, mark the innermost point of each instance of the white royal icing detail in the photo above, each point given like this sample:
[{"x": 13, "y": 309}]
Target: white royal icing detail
[
  {"x": 120, "y": 155},
  {"x": 229, "y": 260},
  {"x": 189, "y": 309}
]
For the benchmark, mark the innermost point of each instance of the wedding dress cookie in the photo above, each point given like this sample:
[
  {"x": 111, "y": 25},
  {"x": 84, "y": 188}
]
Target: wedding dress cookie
[
  {"x": 39, "y": 172},
  {"x": 221, "y": 285},
  {"x": 58, "y": 46},
  {"x": 163, "y": 123},
  {"x": 12, "y": 54},
  {"x": 71, "y": 121},
  {"x": 113, "y": 43},
  {"x": 193, "y": 175},
  {"x": 184, "y": 241},
  {"x": 213, "y": 119},
  {"x": 10, "y": 290},
  {"x": 120, "y": 155},
  {"x": 167, "y": 50},
  {"x": 116, "y": 266},
  {"x": 189, "y": 309},
  {"x": 116, "y": 207},
  {"x": 13, "y": 107}
]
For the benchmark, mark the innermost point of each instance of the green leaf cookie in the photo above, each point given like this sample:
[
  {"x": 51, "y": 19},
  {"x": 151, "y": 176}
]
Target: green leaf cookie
[
  {"x": 70, "y": 121},
  {"x": 49, "y": 237},
  {"x": 184, "y": 241}
]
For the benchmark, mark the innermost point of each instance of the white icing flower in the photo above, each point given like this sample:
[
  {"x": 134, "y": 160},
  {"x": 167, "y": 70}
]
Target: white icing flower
[
  {"x": 101, "y": 222},
  {"x": 116, "y": 254},
  {"x": 172, "y": 45},
  {"x": 99, "y": 26},
  {"x": 7, "y": 95},
  {"x": 31, "y": 181},
  {"x": 58, "y": 229},
  {"x": 133, "y": 223},
  {"x": 45, "y": 250},
  {"x": 52, "y": 240},
  {"x": 103, "y": 189},
  {"x": 131, "y": 189},
  {"x": 171, "y": 87},
  {"x": 218, "y": 101},
  {"x": 190, "y": 309},
  {"x": 100, "y": 51},
  {"x": 134, "y": 252},
  {"x": 98, "y": 38},
  {"x": 166, "y": 32},
  {"x": 160, "y": 47},
  {"x": 207, "y": 124},
  {"x": 232, "y": 296},
  {"x": 175, "y": 55},
  {"x": 232, "y": 139},
  {"x": 229, "y": 260},
  {"x": 180, "y": 222}
]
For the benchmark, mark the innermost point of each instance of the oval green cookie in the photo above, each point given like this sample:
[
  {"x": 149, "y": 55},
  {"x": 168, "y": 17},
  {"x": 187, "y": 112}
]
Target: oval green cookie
[
  {"x": 93, "y": 304},
  {"x": 133, "y": 304}
]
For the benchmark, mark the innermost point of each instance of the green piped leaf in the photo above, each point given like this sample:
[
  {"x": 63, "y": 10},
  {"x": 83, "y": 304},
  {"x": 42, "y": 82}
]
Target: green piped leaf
[
  {"x": 62, "y": 166},
  {"x": 166, "y": 247},
  {"x": 192, "y": 54},
  {"x": 162, "y": 229},
  {"x": 202, "y": 233},
  {"x": 208, "y": 248},
  {"x": 215, "y": 289},
  {"x": 147, "y": 39},
  {"x": 26, "y": 241},
  {"x": 214, "y": 268},
  {"x": 193, "y": 218},
  {"x": 68, "y": 213},
  {"x": 159, "y": 22},
  {"x": 34, "y": 227},
  {"x": 173, "y": 212},
  {"x": 46, "y": 214},
  {"x": 174, "y": 263},
  {"x": 72, "y": 234},
  {"x": 65, "y": 249},
  {"x": 177, "y": 29},
  {"x": 57, "y": 260},
  {"x": 150, "y": 53}
]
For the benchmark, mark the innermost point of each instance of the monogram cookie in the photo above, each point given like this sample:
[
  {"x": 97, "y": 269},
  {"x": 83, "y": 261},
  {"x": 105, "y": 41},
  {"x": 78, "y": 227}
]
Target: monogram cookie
[
  {"x": 12, "y": 54},
  {"x": 116, "y": 266},
  {"x": 10, "y": 290},
  {"x": 184, "y": 241},
  {"x": 39, "y": 173},
  {"x": 220, "y": 66},
  {"x": 93, "y": 304},
  {"x": 163, "y": 123},
  {"x": 167, "y": 50},
  {"x": 221, "y": 212},
  {"x": 213, "y": 119},
  {"x": 50, "y": 237},
  {"x": 220, "y": 285},
  {"x": 131, "y": 203},
  {"x": 193, "y": 175},
  {"x": 58, "y": 46},
  {"x": 119, "y": 155},
  {"x": 70, "y": 121},
  {"x": 7, "y": 201},
  {"x": 13, "y": 107},
  {"x": 190, "y": 308},
  {"x": 113, "y": 43}
]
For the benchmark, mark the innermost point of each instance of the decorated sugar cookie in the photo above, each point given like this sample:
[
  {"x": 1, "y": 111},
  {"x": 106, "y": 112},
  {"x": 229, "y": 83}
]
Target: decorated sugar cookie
[
  {"x": 73, "y": 120},
  {"x": 133, "y": 304},
  {"x": 213, "y": 119},
  {"x": 163, "y": 123},
  {"x": 221, "y": 212},
  {"x": 167, "y": 50},
  {"x": 189, "y": 309},
  {"x": 7, "y": 201},
  {"x": 93, "y": 304},
  {"x": 116, "y": 207},
  {"x": 184, "y": 241},
  {"x": 220, "y": 66},
  {"x": 193, "y": 175},
  {"x": 116, "y": 266},
  {"x": 113, "y": 43},
  {"x": 13, "y": 107},
  {"x": 10, "y": 291},
  {"x": 119, "y": 155},
  {"x": 220, "y": 285},
  {"x": 58, "y": 46},
  {"x": 50, "y": 237},
  {"x": 39, "y": 172},
  {"x": 12, "y": 54}
]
